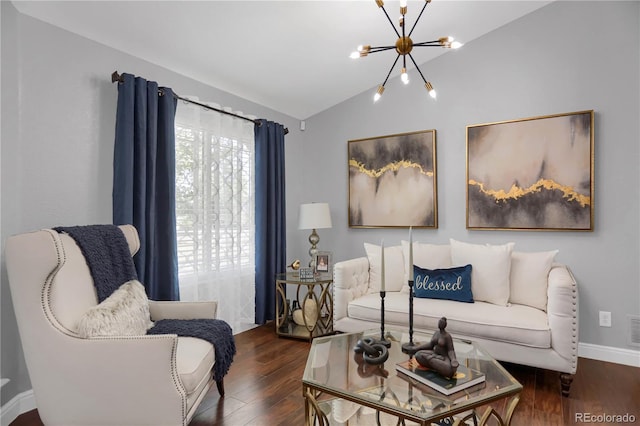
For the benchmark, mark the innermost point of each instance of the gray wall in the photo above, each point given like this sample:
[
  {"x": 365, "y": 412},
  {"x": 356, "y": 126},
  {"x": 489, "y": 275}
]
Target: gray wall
[
  {"x": 11, "y": 361},
  {"x": 58, "y": 112},
  {"x": 58, "y": 124},
  {"x": 565, "y": 57}
]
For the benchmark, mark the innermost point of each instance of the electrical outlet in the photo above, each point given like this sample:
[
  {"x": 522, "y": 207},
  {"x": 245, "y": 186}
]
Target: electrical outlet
[
  {"x": 633, "y": 337},
  {"x": 605, "y": 319}
]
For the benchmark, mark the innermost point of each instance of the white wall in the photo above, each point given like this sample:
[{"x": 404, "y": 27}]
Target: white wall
[
  {"x": 58, "y": 126},
  {"x": 565, "y": 57}
]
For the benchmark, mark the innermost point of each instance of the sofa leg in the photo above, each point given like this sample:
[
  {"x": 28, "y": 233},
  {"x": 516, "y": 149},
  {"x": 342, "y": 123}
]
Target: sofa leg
[
  {"x": 220, "y": 386},
  {"x": 565, "y": 383}
]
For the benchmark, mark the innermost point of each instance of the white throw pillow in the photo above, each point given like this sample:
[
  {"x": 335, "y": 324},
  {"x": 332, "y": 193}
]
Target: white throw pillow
[
  {"x": 490, "y": 272},
  {"x": 124, "y": 313},
  {"x": 529, "y": 278},
  {"x": 393, "y": 267},
  {"x": 426, "y": 256}
]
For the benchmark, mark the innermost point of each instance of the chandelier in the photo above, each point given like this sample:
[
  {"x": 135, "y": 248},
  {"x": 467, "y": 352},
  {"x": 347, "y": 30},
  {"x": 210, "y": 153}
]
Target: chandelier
[{"x": 404, "y": 45}]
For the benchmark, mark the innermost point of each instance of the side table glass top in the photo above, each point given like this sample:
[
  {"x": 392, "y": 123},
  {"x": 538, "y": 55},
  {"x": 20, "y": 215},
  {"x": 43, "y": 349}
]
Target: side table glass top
[{"x": 334, "y": 369}]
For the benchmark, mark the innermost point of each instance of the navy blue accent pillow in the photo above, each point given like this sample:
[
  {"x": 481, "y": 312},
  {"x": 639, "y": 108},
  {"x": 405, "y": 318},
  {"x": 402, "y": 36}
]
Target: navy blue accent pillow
[{"x": 450, "y": 284}]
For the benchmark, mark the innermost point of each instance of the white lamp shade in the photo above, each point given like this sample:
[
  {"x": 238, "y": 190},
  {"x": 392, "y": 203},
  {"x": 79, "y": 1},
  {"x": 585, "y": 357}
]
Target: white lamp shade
[{"x": 314, "y": 216}]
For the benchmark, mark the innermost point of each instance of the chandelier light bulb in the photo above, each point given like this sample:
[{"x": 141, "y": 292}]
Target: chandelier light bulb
[
  {"x": 430, "y": 89},
  {"x": 403, "y": 3},
  {"x": 361, "y": 51},
  {"x": 445, "y": 41},
  {"x": 456, "y": 45},
  {"x": 378, "y": 94},
  {"x": 404, "y": 76}
]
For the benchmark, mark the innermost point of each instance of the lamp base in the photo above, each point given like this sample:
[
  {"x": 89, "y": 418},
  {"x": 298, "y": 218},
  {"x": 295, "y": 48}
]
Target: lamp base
[{"x": 314, "y": 239}]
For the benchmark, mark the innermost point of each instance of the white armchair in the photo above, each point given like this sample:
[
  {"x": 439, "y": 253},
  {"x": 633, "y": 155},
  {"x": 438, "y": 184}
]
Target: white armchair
[{"x": 118, "y": 380}]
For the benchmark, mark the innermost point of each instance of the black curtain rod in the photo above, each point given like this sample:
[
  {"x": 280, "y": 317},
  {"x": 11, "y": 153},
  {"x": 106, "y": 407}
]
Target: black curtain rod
[{"x": 115, "y": 77}]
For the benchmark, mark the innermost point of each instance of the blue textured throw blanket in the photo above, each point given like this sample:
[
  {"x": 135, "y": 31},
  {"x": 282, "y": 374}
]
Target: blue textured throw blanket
[
  {"x": 107, "y": 254},
  {"x": 216, "y": 331}
]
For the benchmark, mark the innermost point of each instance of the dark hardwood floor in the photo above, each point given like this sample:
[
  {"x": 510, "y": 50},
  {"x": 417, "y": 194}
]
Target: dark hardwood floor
[{"x": 264, "y": 387}]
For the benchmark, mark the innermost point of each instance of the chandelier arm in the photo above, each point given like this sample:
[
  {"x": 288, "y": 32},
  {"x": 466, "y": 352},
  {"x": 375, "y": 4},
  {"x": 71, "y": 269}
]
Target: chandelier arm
[
  {"x": 391, "y": 69},
  {"x": 418, "y": 18},
  {"x": 418, "y": 68},
  {"x": 402, "y": 22},
  {"x": 380, "y": 49},
  {"x": 434, "y": 43},
  {"x": 390, "y": 21}
]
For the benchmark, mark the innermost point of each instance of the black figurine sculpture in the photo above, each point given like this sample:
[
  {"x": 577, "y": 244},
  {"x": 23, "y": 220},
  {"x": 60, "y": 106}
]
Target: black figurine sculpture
[{"x": 439, "y": 354}]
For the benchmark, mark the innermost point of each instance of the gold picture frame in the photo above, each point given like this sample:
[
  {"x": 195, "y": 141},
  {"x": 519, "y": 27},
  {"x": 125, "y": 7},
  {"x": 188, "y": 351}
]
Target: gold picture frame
[
  {"x": 393, "y": 181},
  {"x": 531, "y": 174}
]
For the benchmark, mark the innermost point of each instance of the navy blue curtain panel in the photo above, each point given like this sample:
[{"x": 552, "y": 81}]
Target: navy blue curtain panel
[
  {"x": 144, "y": 180},
  {"x": 270, "y": 215}
]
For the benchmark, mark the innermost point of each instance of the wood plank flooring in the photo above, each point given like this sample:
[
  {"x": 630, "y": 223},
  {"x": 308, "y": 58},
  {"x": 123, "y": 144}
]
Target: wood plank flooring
[{"x": 264, "y": 387}]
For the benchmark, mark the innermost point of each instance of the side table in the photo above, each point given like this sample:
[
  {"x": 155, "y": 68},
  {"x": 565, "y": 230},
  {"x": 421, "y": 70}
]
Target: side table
[{"x": 317, "y": 289}]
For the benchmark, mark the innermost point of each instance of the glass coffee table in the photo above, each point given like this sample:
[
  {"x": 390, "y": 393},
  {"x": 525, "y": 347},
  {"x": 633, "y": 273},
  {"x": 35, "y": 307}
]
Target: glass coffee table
[{"x": 340, "y": 389}]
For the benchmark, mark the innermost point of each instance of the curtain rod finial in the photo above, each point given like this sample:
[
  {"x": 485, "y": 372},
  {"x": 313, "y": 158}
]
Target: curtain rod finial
[{"x": 116, "y": 77}]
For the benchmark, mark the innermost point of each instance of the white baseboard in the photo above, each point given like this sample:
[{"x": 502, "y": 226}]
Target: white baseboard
[
  {"x": 610, "y": 354},
  {"x": 19, "y": 404}
]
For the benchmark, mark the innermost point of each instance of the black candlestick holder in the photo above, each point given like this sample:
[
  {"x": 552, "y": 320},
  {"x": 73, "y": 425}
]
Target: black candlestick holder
[
  {"x": 410, "y": 347},
  {"x": 382, "y": 339}
]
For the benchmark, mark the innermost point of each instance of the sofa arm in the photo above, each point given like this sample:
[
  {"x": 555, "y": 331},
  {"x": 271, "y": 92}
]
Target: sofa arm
[
  {"x": 562, "y": 311},
  {"x": 182, "y": 310},
  {"x": 350, "y": 280}
]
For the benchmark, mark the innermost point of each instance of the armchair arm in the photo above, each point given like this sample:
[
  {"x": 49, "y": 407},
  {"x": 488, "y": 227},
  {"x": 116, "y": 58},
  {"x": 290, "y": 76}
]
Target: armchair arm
[
  {"x": 562, "y": 311},
  {"x": 350, "y": 280},
  {"x": 182, "y": 310},
  {"x": 136, "y": 374}
]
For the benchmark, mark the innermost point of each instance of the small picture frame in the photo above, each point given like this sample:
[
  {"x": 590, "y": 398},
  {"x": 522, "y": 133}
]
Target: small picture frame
[{"x": 323, "y": 262}]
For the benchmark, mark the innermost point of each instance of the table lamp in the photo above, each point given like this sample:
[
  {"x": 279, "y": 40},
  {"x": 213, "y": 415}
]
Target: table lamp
[{"x": 314, "y": 216}]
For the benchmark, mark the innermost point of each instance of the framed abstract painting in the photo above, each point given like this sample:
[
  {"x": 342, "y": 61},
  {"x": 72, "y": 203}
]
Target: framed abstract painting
[
  {"x": 533, "y": 174},
  {"x": 392, "y": 181}
]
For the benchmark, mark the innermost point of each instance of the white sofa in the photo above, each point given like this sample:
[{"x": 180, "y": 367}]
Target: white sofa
[{"x": 537, "y": 325}]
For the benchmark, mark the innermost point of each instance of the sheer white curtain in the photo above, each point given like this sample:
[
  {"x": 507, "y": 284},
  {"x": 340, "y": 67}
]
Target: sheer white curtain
[{"x": 215, "y": 211}]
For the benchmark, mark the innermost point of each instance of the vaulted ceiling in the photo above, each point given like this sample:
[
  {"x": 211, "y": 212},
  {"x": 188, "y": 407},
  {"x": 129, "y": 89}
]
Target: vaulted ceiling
[{"x": 291, "y": 56}]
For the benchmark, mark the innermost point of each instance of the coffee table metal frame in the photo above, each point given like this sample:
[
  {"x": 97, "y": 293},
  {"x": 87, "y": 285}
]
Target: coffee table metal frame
[{"x": 318, "y": 388}]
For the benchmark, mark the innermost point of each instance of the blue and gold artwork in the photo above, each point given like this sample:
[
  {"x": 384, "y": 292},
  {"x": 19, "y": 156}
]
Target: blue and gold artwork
[
  {"x": 392, "y": 181},
  {"x": 531, "y": 174}
]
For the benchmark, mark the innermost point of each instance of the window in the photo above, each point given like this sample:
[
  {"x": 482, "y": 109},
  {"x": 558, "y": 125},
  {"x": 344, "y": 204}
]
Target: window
[{"x": 215, "y": 211}]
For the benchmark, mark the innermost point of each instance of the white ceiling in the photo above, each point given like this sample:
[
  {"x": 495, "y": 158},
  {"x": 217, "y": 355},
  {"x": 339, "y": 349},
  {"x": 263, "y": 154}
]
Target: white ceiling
[{"x": 291, "y": 56}]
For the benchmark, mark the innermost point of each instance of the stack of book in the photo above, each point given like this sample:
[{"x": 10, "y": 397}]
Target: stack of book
[{"x": 464, "y": 377}]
